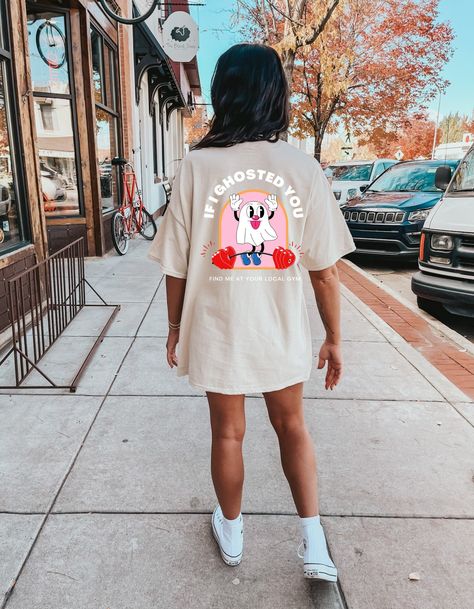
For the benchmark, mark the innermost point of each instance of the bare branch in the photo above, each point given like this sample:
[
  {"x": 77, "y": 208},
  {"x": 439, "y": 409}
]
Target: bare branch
[{"x": 320, "y": 28}]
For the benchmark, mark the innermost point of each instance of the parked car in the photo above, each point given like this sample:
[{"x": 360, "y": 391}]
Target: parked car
[
  {"x": 446, "y": 261},
  {"x": 53, "y": 184},
  {"x": 350, "y": 177},
  {"x": 388, "y": 217},
  {"x": 5, "y": 197}
]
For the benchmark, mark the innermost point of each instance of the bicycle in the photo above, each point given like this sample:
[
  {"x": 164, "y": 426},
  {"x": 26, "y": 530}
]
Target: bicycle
[
  {"x": 151, "y": 5},
  {"x": 131, "y": 217}
]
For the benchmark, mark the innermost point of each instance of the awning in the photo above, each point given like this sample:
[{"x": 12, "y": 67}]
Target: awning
[{"x": 151, "y": 59}]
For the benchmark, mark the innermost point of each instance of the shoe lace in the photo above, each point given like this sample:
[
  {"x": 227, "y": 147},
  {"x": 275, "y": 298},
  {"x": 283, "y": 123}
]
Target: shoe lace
[{"x": 302, "y": 545}]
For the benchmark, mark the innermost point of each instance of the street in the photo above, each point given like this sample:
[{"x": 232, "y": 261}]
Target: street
[
  {"x": 185, "y": 183},
  {"x": 396, "y": 274},
  {"x": 107, "y": 493}
]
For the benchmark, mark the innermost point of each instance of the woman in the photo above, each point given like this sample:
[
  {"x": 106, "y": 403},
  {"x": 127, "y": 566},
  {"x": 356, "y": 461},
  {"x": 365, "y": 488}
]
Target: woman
[{"x": 247, "y": 211}]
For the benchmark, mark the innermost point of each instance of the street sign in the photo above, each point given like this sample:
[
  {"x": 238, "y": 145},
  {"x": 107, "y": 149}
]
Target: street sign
[
  {"x": 467, "y": 138},
  {"x": 180, "y": 36},
  {"x": 399, "y": 155}
]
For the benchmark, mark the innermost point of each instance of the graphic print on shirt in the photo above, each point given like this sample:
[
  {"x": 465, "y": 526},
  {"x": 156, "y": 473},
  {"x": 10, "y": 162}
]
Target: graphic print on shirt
[{"x": 253, "y": 232}]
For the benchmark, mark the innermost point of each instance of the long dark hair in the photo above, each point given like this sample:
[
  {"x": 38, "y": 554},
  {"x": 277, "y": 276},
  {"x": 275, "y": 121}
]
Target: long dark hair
[{"x": 249, "y": 94}]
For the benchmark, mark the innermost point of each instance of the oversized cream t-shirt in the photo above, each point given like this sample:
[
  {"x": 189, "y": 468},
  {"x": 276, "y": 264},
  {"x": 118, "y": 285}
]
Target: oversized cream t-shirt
[{"x": 240, "y": 224}]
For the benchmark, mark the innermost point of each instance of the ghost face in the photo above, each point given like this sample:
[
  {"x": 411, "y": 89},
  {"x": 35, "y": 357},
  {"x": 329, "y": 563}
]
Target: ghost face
[{"x": 254, "y": 225}]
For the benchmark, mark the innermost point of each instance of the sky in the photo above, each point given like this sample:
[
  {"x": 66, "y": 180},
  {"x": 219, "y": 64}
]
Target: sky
[{"x": 216, "y": 36}]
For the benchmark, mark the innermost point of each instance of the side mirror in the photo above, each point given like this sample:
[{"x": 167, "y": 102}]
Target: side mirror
[
  {"x": 363, "y": 188},
  {"x": 443, "y": 177}
]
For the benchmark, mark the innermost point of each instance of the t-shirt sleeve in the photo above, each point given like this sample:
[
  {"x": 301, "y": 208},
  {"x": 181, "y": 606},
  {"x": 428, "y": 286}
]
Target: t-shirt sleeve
[
  {"x": 170, "y": 247},
  {"x": 326, "y": 237}
]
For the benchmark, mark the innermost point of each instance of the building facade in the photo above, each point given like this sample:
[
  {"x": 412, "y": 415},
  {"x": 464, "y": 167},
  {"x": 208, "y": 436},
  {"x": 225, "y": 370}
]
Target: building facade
[{"x": 76, "y": 89}]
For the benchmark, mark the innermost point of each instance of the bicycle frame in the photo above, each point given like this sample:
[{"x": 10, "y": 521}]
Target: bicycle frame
[{"x": 132, "y": 204}]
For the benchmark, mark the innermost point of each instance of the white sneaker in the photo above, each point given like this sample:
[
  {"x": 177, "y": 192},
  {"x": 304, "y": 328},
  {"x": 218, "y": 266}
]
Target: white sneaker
[
  {"x": 230, "y": 539},
  {"x": 317, "y": 562}
]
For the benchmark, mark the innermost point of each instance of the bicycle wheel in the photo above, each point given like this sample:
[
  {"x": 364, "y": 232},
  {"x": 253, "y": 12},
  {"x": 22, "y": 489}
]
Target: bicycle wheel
[
  {"x": 51, "y": 30},
  {"x": 113, "y": 15},
  {"x": 148, "y": 227},
  {"x": 120, "y": 235}
]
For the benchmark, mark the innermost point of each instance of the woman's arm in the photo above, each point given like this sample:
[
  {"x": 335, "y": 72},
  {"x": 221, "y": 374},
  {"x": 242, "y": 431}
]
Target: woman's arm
[
  {"x": 327, "y": 292},
  {"x": 175, "y": 288}
]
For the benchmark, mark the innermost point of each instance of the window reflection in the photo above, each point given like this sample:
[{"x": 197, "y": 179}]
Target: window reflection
[
  {"x": 104, "y": 71},
  {"x": 48, "y": 52},
  {"x": 56, "y": 154},
  {"x": 97, "y": 66},
  {"x": 10, "y": 226},
  {"x": 106, "y": 149},
  {"x": 53, "y": 111}
]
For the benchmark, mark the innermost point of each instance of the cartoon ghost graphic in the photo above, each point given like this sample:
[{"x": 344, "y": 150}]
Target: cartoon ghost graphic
[
  {"x": 252, "y": 230},
  {"x": 254, "y": 225}
]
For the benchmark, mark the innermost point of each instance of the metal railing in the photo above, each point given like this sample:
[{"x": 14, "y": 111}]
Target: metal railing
[{"x": 42, "y": 301}]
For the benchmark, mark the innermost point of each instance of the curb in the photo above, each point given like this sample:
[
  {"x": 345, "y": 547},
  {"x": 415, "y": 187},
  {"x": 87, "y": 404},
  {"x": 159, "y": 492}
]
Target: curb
[
  {"x": 452, "y": 335},
  {"x": 446, "y": 388},
  {"x": 441, "y": 356}
]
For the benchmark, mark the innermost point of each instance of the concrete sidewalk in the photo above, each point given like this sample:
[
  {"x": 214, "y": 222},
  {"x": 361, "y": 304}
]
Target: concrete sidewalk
[{"x": 106, "y": 494}]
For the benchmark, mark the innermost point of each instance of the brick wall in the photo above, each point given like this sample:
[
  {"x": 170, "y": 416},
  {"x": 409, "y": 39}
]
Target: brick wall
[{"x": 127, "y": 78}]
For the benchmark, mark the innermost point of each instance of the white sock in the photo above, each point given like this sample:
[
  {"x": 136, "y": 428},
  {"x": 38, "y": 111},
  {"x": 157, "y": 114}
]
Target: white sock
[
  {"x": 309, "y": 520},
  {"x": 232, "y": 523},
  {"x": 316, "y": 540}
]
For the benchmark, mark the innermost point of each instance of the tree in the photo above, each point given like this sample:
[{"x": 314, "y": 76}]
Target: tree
[
  {"x": 288, "y": 25},
  {"x": 415, "y": 140},
  {"x": 375, "y": 66},
  {"x": 454, "y": 125},
  {"x": 196, "y": 126}
]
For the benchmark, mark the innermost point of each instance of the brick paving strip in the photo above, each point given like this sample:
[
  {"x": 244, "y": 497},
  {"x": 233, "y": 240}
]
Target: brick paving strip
[{"x": 455, "y": 364}]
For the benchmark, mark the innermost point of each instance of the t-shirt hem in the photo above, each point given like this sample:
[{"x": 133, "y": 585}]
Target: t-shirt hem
[{"x": 244, "y": 390}]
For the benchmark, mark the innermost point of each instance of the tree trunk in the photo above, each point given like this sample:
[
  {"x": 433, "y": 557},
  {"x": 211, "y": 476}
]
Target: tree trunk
[
  {"x": 318, "y": 143},
  {"x": 288, "y": 62}
]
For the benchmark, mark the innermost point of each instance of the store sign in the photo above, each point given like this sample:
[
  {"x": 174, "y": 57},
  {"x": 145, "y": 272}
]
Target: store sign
[{"x": 180, "y": 36}]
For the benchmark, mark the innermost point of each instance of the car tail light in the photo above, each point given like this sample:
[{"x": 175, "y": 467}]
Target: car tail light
[{"x": 422, "y": 247}]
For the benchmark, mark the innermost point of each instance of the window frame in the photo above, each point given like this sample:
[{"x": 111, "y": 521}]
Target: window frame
[
  {"x": 115, "y": 112},
  {"x": 71, "y": 97},
  {"x": 13, "y": 132}
]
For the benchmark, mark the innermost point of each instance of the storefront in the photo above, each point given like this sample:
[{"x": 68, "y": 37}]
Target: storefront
[
  {"x": 74, "y": 93},
  {"x": 164, "y": 95},
  {"x": 73, "y": 56}
]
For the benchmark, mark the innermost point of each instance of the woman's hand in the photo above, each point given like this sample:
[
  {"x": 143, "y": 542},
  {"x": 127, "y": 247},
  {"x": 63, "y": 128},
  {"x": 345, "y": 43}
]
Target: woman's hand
[
  {"x": 173, "y": 338},
  {"x": 331, "y": 353}
]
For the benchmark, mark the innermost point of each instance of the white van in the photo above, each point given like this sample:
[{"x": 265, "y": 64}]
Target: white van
[
  {"x": 349, "y": 178},
  {"x": 446, "y": 261}
]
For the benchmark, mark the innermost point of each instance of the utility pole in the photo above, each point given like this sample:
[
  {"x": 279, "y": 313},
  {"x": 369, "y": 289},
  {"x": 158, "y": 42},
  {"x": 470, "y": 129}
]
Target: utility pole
[{"x": 437, "y": 122}]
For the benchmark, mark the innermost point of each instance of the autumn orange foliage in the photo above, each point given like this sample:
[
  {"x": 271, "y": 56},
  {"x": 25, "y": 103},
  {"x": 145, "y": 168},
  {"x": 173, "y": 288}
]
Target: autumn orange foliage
[
  {"x": 415, "y": 140},
  {"x": 374, "y": 69},
  {"x": 196, "y": 126}
]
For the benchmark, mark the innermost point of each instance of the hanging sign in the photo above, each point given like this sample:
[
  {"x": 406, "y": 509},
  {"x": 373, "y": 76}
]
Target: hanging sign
[{"x": 180, "y": 36}]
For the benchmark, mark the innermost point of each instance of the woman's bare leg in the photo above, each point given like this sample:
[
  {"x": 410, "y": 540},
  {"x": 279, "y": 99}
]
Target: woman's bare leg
[
  {"x": 227, "y": 414},
  {"x": 285, "y": 409}
]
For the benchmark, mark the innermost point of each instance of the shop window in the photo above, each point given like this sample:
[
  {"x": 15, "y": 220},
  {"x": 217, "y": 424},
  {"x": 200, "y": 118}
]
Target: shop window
[
  {"x": 12, "y": 199},
  {"x": 104, "y": 78},
  {"x": 47, "y": 115},
  {"x": 54, "y": 109}
]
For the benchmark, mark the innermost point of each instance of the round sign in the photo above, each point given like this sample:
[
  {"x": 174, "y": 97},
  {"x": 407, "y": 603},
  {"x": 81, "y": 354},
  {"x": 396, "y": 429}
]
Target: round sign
[{"x": 180, "y": 36}]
